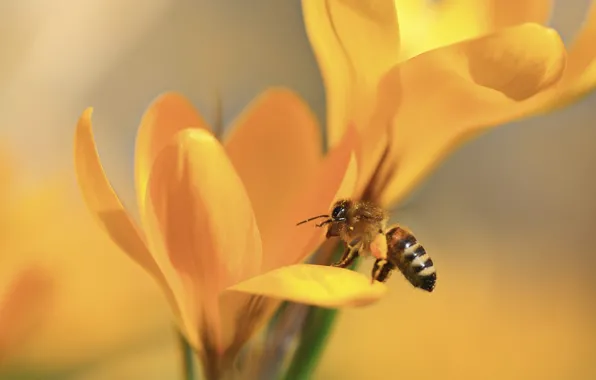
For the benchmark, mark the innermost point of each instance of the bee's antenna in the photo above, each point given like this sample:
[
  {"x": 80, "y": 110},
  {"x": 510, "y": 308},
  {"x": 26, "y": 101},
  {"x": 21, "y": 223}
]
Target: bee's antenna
[
  {"x": 323, "y": 223},
  {"x": 313, "y": 218}
]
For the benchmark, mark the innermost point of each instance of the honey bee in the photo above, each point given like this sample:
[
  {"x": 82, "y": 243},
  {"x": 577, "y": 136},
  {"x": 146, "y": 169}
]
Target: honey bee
[{"x": 362, "y": 226}]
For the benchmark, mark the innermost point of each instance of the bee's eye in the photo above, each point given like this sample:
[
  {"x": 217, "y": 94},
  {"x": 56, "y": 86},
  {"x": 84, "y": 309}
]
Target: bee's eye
[{"x": 338, "y": 212}]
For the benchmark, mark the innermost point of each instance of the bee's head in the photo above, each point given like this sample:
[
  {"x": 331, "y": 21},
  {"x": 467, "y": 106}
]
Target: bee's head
[{"x": 339, "y": 213}]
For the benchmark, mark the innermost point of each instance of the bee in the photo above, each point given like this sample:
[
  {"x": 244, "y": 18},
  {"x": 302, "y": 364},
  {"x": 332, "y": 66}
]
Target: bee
[{"x": 362, "y": 226}]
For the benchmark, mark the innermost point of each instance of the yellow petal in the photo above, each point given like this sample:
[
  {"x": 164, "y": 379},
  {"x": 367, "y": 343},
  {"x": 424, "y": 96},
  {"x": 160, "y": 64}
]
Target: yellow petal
[
  {"x": 23, "y": 307},
  {"x": 104, "y": 203},
  {"x": 428, "y": 25},
  {"x": 450, "y": 95},
  {"x": 355, "y": 43},
  {"x": 334, "y": 65},
  {"x": 167, "y": 115},
  {"x": 506, "y": 13},
  {"x": 415, "y": 17},
  {"x": 495, "y": 14},
  {"x": 335, "y": 178},
  {"x": 317, "y": 285},
  {"x": 201, "y": 218},
  {"x": 275, "y": 147},
  {"x": 580, "y": 75},
  {"x": 204, "y": 214}
]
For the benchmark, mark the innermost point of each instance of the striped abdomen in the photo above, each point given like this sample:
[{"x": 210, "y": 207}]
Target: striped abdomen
[{"x": 404, "y": 251}]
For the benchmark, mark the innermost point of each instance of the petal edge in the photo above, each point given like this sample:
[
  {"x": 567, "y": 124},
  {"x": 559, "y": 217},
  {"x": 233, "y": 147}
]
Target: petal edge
[
  {"x": 168, "y": 114},
  {"x": 470, "y": 87},
  {"x": 318, "y": 285},
  {"x": 103, "y": 202}
]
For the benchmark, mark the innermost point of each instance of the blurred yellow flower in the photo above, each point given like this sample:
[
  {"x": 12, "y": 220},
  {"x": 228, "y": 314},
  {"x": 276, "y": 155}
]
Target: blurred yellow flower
[
  {"x": 24, "y": 291},
  {"x": 23, "y": 308},
  {"x": 54, "y": 271},
  {"x": 414, "y": 112},
  {"x": 218, "y": 221}
]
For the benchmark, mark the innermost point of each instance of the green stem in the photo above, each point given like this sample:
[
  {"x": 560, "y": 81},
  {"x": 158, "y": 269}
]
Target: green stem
[
  {"x": 319, "y": 323},
  {"x": 318, "y": 326},
  {"x": 187, "y": 356}
]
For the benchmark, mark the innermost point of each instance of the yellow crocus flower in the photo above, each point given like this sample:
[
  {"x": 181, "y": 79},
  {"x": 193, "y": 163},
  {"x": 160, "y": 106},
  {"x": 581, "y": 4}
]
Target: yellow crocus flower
[
  {"x": 425, "y": 26},
  {"x": 218, "y": 219},
  {"x": 413, "y": 111}
]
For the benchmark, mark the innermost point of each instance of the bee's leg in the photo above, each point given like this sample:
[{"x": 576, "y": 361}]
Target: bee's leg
[
  {"x": 382, "y": 270},
  {"x": 347, "y": 258}
]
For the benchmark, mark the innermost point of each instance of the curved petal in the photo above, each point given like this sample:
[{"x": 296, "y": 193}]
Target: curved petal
[
  {"x": 506, "y": 13},
  {"x": 333, "y": 63},
  {"x": 355, "y": 43},
  {"x": 335, "y": 178},
  {"x": 415, "y": 18},
  {"x": 427, "y": 25},
  {"x": 104, "y": 203},
  {"x": 275, "y": 147},
  {"x": 200, "y": 223},
  {"x": 494, "y": 14},
  {"x": 167, "y": 115},
  {"x": 204, "y": 214},
  {"x": 318, "y": 285},
  {"x": 451, "y": 94}
]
